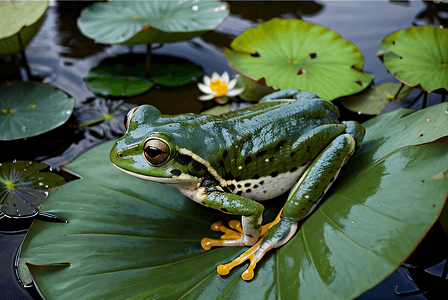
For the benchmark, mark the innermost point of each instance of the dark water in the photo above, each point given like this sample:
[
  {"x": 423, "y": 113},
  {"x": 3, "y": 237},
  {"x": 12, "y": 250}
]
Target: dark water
[{"x": 61, "y": 56}]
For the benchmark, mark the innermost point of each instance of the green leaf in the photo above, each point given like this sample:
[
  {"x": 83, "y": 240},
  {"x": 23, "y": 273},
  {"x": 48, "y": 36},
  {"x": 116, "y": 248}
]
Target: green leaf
[
  {"x": 133, "y": 239},
  {"x": 374, "y": 98},
  {"x": 23, "y": 187},
  {"x": 145, "y": 22},
  {"x": 417, "y": 56},
  {"x": 292, "y": 53},
  {"x": 124, "y": 75},
  {"x": 19, "y": 17},
  {"x": 28, "y": 109},
  {"x": 253, "y": 91}
]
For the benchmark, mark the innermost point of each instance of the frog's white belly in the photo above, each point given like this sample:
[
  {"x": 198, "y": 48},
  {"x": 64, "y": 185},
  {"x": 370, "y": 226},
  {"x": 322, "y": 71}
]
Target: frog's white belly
[{"x": 269, "y": 187}]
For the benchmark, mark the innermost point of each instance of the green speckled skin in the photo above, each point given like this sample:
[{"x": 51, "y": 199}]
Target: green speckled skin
[{"x": 235, "y": 139}]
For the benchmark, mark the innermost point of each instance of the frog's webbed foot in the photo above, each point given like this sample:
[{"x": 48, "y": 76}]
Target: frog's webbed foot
[
  {"x": 275, "y": 235},
  {"x": 232, "y": 236}
]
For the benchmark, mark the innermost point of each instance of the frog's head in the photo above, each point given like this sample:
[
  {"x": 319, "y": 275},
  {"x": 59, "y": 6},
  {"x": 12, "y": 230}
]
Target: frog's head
[{"x": 145, "y": 151}]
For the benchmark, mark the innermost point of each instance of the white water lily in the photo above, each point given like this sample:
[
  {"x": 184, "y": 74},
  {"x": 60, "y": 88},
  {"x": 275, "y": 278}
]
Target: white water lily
[{"x": 218, "y": 86}]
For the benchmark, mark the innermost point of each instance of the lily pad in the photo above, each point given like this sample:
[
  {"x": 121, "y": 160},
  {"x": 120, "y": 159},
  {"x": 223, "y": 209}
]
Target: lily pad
[
  {"x": 124, "y": 75},
  {"x": 417, "y": 56},
  {"x": 145, "y": 22},
  {"x": 373, "y": 99},
  {"x": 19, "y": 18},
  {"x": 292, "y": 53},
  {"x": 129, "y": 238},
  {"x": 23, "y": 187},
  {"x": 28, "y": 109}
]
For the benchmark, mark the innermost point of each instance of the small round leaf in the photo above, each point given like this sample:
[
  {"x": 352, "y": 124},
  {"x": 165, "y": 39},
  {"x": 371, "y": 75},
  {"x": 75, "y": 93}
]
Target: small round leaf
[
  {"x": 292, "y": 53},
  {"x": 23, "y": 187},
  {"x": 417, "y": 56},
  {"x": 144, "y": 22},
  {"x": 28, "y": 109}
]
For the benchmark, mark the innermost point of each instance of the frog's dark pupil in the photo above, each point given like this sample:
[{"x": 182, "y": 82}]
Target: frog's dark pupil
[{"x": 153, "y": 152}]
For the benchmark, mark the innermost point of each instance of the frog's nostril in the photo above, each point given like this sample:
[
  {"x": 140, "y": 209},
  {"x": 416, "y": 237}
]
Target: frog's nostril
[{"x": 119, "y": 154}]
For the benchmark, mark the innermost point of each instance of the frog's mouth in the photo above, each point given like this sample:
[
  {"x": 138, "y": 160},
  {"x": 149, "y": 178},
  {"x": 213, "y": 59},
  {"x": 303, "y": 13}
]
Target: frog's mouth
[{"x": 147, "y": 177}]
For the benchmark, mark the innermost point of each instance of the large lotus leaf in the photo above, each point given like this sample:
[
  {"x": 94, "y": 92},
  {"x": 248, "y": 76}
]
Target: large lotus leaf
[
  {"x": 144, "y": 22},
  {"x": 127, "y": 238},
  {"x": 19, "y": 17},
  {"x": 23, "y": 187},
  {"x": 28, "y": 109},
  {"x": 124, "y": 75},
  {"x": 417, "y": 56},
  {"x": 374, "y": 98},
  {"x": 295, "y": 54}
]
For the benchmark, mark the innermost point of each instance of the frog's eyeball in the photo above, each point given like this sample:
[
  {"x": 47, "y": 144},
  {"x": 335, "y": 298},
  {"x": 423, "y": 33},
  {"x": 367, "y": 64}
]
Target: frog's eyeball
[{"x": 156, "y": 151}]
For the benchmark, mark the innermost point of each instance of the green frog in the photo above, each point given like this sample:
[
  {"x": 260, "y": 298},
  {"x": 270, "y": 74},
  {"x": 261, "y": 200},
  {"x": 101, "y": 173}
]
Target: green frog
[{"x": 290, "y": 140}]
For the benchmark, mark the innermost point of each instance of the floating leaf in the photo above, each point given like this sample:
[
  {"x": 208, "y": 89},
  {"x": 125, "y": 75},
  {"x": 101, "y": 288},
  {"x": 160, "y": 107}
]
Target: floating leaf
[
  {"x": 19, "y": 17},
  {"x": 417, "y": 56},
  {"x": 124, "y": 75},
  {"x": 373, "y": 99},
  {"x": 129, "y": 238},
  {"x": 145, "y": 22},
  {"x": 28, "y": 109},
  {"x": 253, "y": 91},
  {"x": 295, "y": 54},
  {"x": 23, "y": 187}
]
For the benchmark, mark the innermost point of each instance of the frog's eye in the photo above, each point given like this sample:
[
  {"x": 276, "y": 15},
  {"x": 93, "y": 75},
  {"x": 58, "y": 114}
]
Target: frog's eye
[
  {"x": 129, "y": 116},
  {"x": 156, "y": 151}
]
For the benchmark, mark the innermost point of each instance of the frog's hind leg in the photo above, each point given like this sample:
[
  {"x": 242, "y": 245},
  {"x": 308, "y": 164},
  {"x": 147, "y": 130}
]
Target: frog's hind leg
[{"x": 304, "y": 196}]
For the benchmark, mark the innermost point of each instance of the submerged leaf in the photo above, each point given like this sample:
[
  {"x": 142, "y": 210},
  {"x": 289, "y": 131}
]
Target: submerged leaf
[
  {"x": 417, "y": 56},
  {"x": 373, "y": 99},
  {"x": 23, "y": 187},
  {"x": 28, "y": 109},
  {"x": 129, "y": 238},
  {"x": 124, "y": 75},
  {"x": 292, "y": 53}
]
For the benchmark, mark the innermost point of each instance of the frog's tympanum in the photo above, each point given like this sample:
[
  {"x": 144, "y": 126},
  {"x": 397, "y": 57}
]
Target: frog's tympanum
[{"x": 288, "y": 141}]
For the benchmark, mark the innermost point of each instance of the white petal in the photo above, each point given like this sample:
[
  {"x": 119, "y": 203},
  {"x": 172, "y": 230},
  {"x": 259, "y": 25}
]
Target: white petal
[
  {"x": 234, "y": 92},
  {"x": 204, "y": 88},
  {"x": 231, "y": 84},
  {"x": 225, "y": 77},
  {"x": 215, "y": 76},
  {"x": 206, "y": 80},
  {"x": 206, "y": 97}
]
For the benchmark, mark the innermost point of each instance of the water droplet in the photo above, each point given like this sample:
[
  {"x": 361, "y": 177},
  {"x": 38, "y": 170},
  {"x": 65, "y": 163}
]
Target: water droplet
[
  {"x": 81, "y": 207},
  {"x": 51, "y": 169},
  {"x": 266, "y": 160},
  {"x": 41, "y": 184},
  {"x": 240, "y": 167},
  {"x": 427, "y": 120},
  {"x": 306, "y": 196},
  {"x": 46, "y": 186},
  {"x": 40, "y": 178},
  {"x": 17, "y": 210},
  {"x": 14, "y": 161},
  {"x": 359, "y": 112},
  {"x": 195, "y": 8},
  {"x": 24, "y": 128},
  {"x": 379, "y": 205}
]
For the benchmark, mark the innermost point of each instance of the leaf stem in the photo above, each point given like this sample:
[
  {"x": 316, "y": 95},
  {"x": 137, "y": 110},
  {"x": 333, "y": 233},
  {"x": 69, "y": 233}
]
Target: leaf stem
[
  {"x": 398, "y": 92},
  {"x": 25, "y": 62},
  {"x": 148, "y": 61}
]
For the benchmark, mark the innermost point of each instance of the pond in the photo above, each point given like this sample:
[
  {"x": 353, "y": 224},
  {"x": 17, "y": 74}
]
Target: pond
[{"x": 61, "y": 56}]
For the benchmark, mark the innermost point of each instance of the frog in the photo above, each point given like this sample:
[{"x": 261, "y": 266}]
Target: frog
[{"x": 290, "y": 140}]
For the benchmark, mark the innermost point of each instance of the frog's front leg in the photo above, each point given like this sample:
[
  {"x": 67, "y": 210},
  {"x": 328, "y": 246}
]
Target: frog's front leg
[
  {"x": 245, "y": 233},
  {"x": 303, "y": 198}
]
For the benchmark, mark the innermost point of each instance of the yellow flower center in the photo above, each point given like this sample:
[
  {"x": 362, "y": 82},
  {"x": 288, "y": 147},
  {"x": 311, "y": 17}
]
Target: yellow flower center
[{"x": 219, "y": 87}]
